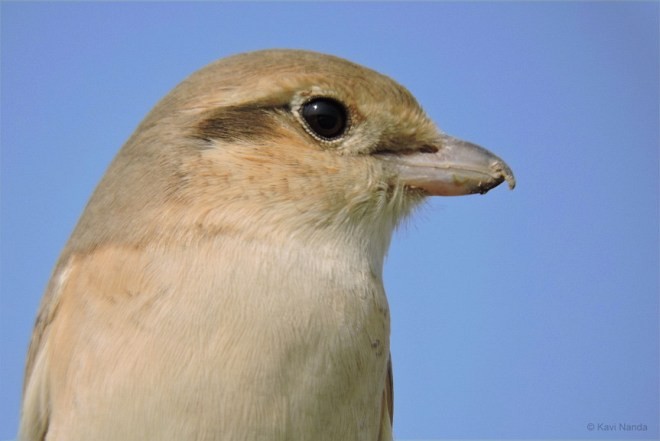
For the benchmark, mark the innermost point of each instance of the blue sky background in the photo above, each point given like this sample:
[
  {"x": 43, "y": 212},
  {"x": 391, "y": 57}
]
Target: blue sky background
[{"x": 525, "y": 314}]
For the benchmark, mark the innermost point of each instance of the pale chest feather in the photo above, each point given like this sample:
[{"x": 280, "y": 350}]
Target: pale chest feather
[{"x": 300, "y": 338}]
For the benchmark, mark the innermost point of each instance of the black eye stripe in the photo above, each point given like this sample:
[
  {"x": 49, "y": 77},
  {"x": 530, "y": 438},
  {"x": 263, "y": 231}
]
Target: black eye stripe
[
  {"x": 253, "y": 122},
  {"x": 325, "y": 117}
]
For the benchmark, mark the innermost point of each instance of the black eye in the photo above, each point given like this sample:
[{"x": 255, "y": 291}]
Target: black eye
[{"x": 325, "y": 117}]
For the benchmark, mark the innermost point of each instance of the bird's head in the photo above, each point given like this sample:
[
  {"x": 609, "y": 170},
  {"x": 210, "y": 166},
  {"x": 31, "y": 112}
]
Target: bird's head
[{"x": 282, "y": 144}]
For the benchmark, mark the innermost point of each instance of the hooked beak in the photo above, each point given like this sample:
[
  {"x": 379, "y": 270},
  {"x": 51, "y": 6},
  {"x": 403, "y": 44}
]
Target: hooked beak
[{"x": 456, "y": 168}]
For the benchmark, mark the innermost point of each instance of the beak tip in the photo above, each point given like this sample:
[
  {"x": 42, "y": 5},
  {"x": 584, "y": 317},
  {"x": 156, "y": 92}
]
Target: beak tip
[
  {"x": 504, "y": 173},
  {"x": 511, "y": 180}
]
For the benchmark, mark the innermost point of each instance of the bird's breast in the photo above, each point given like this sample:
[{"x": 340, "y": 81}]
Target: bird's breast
[{"x": 243, "y": 335}]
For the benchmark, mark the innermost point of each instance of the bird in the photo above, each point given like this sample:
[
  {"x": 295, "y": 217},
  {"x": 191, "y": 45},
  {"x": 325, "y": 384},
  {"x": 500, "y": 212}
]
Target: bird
[{"x": 224, "y": 281}]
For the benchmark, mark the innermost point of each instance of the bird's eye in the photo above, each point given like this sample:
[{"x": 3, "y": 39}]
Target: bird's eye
[{"x": 325, "y": 117}]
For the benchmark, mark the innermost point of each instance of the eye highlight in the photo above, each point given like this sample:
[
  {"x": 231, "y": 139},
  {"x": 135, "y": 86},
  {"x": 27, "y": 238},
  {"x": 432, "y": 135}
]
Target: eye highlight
[{"x": 325, "y": 118}]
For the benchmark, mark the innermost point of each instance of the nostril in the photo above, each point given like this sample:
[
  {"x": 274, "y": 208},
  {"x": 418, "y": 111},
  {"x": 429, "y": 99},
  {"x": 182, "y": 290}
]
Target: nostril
[{"x": 428, "y": 149}]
